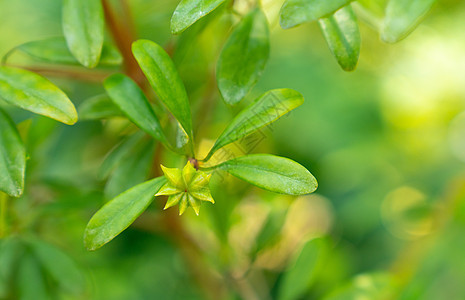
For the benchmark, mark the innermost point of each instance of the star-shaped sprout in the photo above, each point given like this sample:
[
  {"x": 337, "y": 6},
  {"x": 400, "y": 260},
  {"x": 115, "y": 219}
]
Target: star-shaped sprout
[{"x": 187, "y": 187}]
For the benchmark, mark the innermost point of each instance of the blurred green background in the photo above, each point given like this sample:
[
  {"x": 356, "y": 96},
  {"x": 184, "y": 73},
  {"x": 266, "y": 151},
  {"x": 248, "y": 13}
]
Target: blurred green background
[{"x": 386, "y": 143}]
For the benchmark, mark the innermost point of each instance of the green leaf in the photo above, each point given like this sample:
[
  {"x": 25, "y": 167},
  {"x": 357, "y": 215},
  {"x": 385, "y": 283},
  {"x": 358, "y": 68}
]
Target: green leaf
[
  {"x": 272, "y": 173},
  {"x": 189, "y": 11},
  {"x": 243, "y": 57},
  {"x": 298, "y": 278},
  {"x": 60, "y": 266},
  {"x": 83, "y": 29},
  {"x": 137, "y": 162},
  {"x": 264, "y": 110},
  {"x": 119, "y": 213},
  {"x": 56, "y": 50},
  {"x": 33, "y": 92},
  {"x": 165, "y": 80},
  {"x": 10, "y": 250},
  {"x": 343, "y": 37},
  {"x": 127, "y": 95},
  {"x": 402, "y": 17},
  {"x": 31, "y": 281},
  {"x": 296, "y": 12},
  {"x": 376, "y": 286},
  {"x": 118, "y": 154},
  {"x": 98, "y": 107},
  {"x": 12, "y": 157}
]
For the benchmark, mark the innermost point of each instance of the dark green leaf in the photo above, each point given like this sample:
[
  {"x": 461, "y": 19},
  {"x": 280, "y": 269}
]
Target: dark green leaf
[
  {"x": 273, "y": 173},
  {"x": 243, "y": 57},
  {"x": 402, "y": 17},
  {"x": 33, "y": 92},
  {"x": 56, "y": 50},
  {"x": 343, "y": 37},
  {"x": 12, "y": 157},
  {"x": 137, "y": 162},
  {"x": 300, "y": 275},
  {"x": 189, "y": 11},
  {"x": 98, "y": 107},
  {"x": 266, "y": 109},
  {"x": 60, "y": 266},
  {"x": 164, "y": 78},
  {"x": 128, "y": 96},
  {"x": 31, "y": 281},
  {"x": 119, "y": 213},
  {"x": 296, "y": 12},
  {"x": 83, "y": 29},
  {"x": 118, "y": 153}
]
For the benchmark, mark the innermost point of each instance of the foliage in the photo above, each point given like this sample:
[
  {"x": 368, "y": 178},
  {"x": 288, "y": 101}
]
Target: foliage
[{"x": 148, "y": 109}]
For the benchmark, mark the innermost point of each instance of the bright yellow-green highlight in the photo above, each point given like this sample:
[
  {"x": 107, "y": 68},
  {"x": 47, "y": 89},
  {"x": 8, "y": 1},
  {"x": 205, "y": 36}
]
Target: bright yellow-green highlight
[{"x": 188, "y": 187}]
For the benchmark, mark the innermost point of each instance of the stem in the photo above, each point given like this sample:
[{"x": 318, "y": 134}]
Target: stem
[{"x": 3, "y": 208}]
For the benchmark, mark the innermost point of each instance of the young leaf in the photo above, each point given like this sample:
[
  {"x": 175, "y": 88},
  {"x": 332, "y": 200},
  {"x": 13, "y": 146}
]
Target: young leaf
[
  {"x": 296, "y": 12},
  {"x": 127, "y": 95},
  {"x": 56, "y": 50},
  {"x": 190, "y": 11},
  {"x": 119, "y": 213},
  {"x": 272, "y": 173},
  {"x": 300, "y": 275},
  {"x": 98, "y": 107},
  {"x": 243, "y": 57},
  {"x": 83, "y": 29},
  {"x": 343, "y": 37},
  {"x": 60, "y": 266},
  {"x": 12, "y": 157},
  {"x": 33, "y": 92},
  {"x": 266, "y": 109},
  {"x": 402, "y": 17},
  {"x": 164, "y": 79}
]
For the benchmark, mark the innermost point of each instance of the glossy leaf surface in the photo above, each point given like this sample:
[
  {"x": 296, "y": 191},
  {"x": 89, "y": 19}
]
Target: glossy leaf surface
[
  {"x": 272, "y": 173},
  {"x": 83, "y": 29},
  {"x": 343, "y": 37},
  {"x": 164, "y": 79},
  {"x": 12, "y": 157},
  {"x": 243, "y": 57},
  {"x": 119, "y": 213},
  {"x": 296, "y": 12},
  {"x": 128, "y": 96},
  {"x": 189, "y": 11},
  {"x": 266, "y": 109},
  {"x": 33, "y": 92}
]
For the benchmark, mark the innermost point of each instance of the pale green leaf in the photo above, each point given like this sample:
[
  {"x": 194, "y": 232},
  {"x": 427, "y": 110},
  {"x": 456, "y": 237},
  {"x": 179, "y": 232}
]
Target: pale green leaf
[
  {"x": 343, "y": 37},
  {"x": 33, "y": 92},
  {"x": 60, "y": 266},
  {"x": 296, "y": 12},
  {"x": 83, "y": 29},
  {"x": 266, "y": 109},
  {"x": 165, "y": 80},
  {"x": 128, "y": 96},
  {"x": 402, "y": 16},
  {"x": 12, "y": 157},
  {"x": 298, "y": 278},
  {"x": 243, "y": 57},
  {"x": 273, "y": 173},
  {"x": 98, "y": 107},
  {"x": 119, "y": 213},
  {"x": 189, "y": 11},
  {"x": 56, "y": 50}
]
